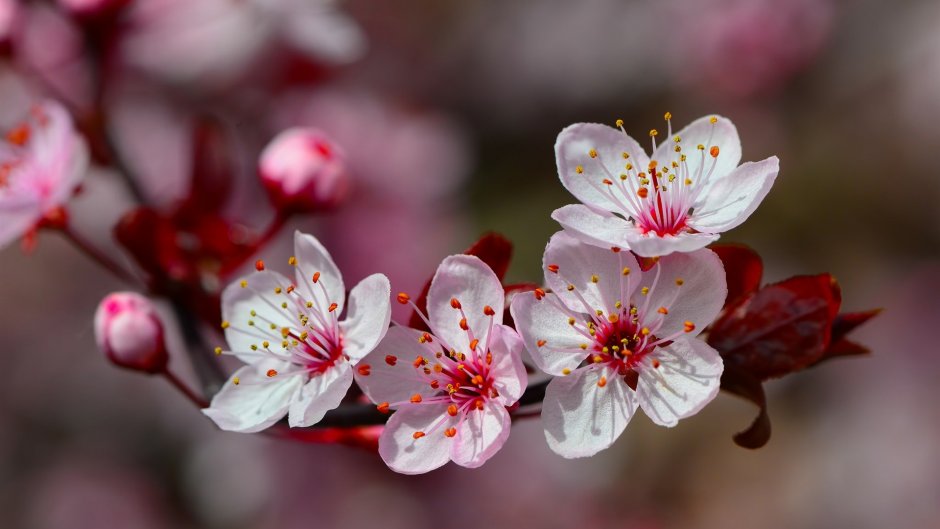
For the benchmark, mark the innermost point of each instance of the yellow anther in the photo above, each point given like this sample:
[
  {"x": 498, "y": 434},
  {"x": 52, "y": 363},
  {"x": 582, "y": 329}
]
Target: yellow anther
[
  {"x": 645, "y": 331},
  {"x": 645, "y": 290},
  {"x": 225, "y": 324},
  {"x": 592, "y": 153},
  {"x": 628, "y": 167},
  {"x": 243, "y": 283},
  {"x": 277, "y": 290},
  {"x": 584, "y": 346},
  {"x": 700, "y": 147},
  {"x": 236, "y": 381},
  {"x": 713, "y": 120},
  {"x": 668, "y": 116},
  {"x": 680, "y": 281},
  {"x": 292, "y": 261},
  {"x": 618, "y": 305},
  {"x": 594, "y": 278},
  {"x": 218, "y": 351},
  {"x": 654, "y": 133},
  {"x": 619, "y": 123},
  {"x": 580, "y": 170},
  {"x": 265, "y": 344},
  {"x": 571, "y": 321},
  {"x": 566, "y": 371},
  {"x": 626, "y": 271},
  {"x": 309, "y": 304}
]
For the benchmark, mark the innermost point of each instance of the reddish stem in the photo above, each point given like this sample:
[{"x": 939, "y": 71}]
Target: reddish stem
[
  {"x": 97, "y": 255},
  {"x": 195, "y": 398}
]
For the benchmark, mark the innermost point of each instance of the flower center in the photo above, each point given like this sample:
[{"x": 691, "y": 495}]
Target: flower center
[{"x": 621, "y": 342}]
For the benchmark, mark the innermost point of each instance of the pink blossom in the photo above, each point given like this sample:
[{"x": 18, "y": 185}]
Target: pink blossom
[
  {"x": 90, "y": 7},
  {"x": 682, "y": 199},
  {"x": 617, "y": 338},
  {"x": 129, "y": 332},
  {"x": 299, "y": 354},
  {"x": 302, "y": 169},
  {"x": 449, "y": 387},
  {"x": 41, "y": 165}
]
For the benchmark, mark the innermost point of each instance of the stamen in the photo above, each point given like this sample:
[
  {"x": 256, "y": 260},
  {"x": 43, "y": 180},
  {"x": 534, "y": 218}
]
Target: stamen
[
  {"x": 259, "y": 265},
  {"x": 365, "y": 370}
]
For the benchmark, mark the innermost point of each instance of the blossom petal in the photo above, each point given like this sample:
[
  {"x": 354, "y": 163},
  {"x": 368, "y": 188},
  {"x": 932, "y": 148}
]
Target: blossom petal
[
  {"x": 581, "y": 417},
  {"x": 367, "y": 318},
  {"x": 721, "y": 134},
  {"x": 407, "y": 455},
  {"x": 579, "y": 265},
  {"x": 699, "y": 298},
  {"x": 16, "y": 220},
  {"x": 312, "y": 258},
  {"x": 260, "y": 294},
  {"x": 388, "y": 374},
  {"x": 321, "y": 394},
  {"x": 652, "y": 245},
  {"x": 732, "y": 199},
  {"x": 470, "y": 281},
  {"x": 538, "y": 320},
  {"x": 592, "y": 227},
  {"x": 480, "y": 435},
  {"x": 688, "y": 378},
  {"x": 507, "y": 369},
  {"x": 572, "y": 150},
  {"x": 257, "y": 401}
]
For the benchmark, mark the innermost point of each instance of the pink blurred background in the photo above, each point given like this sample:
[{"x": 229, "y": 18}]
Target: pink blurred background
[{"x": 448, "y": 112}]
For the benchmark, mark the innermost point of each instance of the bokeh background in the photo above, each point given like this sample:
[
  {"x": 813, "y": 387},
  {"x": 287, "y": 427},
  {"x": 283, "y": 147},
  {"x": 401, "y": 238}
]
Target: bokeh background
[{"x": 448, "y": 112}]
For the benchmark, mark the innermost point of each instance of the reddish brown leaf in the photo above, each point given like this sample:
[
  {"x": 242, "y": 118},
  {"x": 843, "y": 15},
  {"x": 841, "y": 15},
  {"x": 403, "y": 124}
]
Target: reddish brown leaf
[
  {"x": 782, "y": 328},
  {"x": 492, "y": 248},
  {"x": 743, "y": 268},
  {"x": 749, "y": 388},
  {"x": 849, "y": 321}
]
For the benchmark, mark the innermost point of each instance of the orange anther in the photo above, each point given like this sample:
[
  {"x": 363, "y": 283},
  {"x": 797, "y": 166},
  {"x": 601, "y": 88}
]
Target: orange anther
[
  {"x": 540, "y": 343},
  {"x": 272, "y": 373},
  {"x": 259, "y": 265},
  {"x": 452, "y": 410},
  {"x": 450, "y": 432},
  {"x": 416, "y": 398},
  {"x": 316, "y": 276},
  {"x": 333, "y": 306},
  {"x": 403, "y": 298},
  {"x": 553, "y": 268},
  {"x": 463, "y": 324},
  {"x": 391, "y": 359},
  {"x": 418, "y": 435},
  {"x": 488, "y": 310},
  {"x": 365, "y": 370},
  {"x": 688, "y": 326},
  {"x": 454, "y": 303},
  {"x": 714, "y": 151},
  {"x": 382, "y": 407},
  {"x": 539, "y": 293}
]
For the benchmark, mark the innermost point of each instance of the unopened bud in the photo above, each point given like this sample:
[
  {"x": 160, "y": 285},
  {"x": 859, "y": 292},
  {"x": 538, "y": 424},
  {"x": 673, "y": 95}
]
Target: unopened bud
[
  {"x": 129, "y": 332},
  {"x": 303, "y": 170}
]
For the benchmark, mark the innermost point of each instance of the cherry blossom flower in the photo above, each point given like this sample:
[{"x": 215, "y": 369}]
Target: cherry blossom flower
[
  {"x": 41, "y": 164},
  {"x": 680, "y": 200},
  {"x": 129, "y": 332},
  {"x": 449, "y": 387},
  {"x": 300, "y": 355},
  {"x": 617, "y": 338},
  {"x": 302, "y": 169}
]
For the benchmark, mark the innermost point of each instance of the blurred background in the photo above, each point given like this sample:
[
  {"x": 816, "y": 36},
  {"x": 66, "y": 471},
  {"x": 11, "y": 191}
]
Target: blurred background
[{"x": 448, "y": 113}]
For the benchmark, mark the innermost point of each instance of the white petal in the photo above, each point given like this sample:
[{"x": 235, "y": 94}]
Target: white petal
[
  {"x": 508, "y": 371},
  {"x": 257, "y": 401},
  {"x": 652, "y": 245},
  {"x": 721, "y": 134},
  {"x": 407, "y": 455},
  {"x": 321, "y": 394},
  {"x": 325, "y": 34},
  {"x": 592, "y": 227},
  {"x": 699, "y": 298},
  {"x": 398, "y": 382},
  {"x": 578, "y": 264},
  {"x": 572, "y": 150},
  {"x": 259, "y": 295},
  {"x": 312, "y": 257},
  {"x": 688, "y": 378},
  {"x": 732, "y": 199},
  {"x": 367, "y": 319},
  {"x": 480, "y": 435},
  {"x": 582, "y": 418},
  {"x": 541, "y": 320},
  {"x": 475, "y": 286}
]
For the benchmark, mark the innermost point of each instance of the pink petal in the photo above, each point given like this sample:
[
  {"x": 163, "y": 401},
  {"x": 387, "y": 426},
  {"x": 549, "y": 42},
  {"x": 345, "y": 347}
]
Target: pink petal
[
  {"x": 592, "y": 227},
  {"x": 538, "y": 320},
  {"x": 367, "y": 318},
  {"x": 480, "y": 435},
  {"x": 507, "y": 368},
  {"x": 312, "y": 258},
  {"x": 321, "y": 394},
  {"x": 572, "y": 150},
  {"x": 257, "y": 401},
  {"x": 699, "y": 298},
  {"x": 392, "y": 376},
  {"x": 259, "y": 295},
  {"x": 407, "y": 455},
  {"x": 652, "y": 245},
  {"x": 16, "y": 220},
  {"x": 582, "y": 418},
  {"x": 722, "y": 134},
  {"x": 578, "y": 264},
  {"x": 470, "y": 281},
  {"x": 733, "y": 198},
  {"x": 688, "y": 378}
]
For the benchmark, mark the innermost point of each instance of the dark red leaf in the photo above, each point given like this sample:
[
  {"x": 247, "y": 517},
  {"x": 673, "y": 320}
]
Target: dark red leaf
[
  {"x": 366, "y": 437},
  {"x": 749, "y": 388},
  {"x": 743, "y": 268},
  {"x": 849, "y": 321},
  {"x": 782, "y": 328},
  {"x": 211, "y": 180},
  {"x": 492, "y": 248},
  {"x": 512, "y": 290}
]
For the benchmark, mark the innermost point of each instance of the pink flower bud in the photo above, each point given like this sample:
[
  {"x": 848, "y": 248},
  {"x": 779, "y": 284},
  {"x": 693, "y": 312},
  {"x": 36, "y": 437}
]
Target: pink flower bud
[
  {"x": 304, "y": 170},
  {"x": 129, "y": 332}
]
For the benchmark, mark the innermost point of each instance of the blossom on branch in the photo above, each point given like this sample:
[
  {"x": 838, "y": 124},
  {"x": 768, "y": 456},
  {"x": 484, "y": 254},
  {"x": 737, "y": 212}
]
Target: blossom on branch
[
  {"x": 617, "y": 338},
  {"x": 300, "y": 355}
]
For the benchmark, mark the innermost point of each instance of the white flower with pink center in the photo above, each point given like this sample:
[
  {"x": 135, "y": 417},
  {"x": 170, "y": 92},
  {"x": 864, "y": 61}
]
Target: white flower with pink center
[
  {"x": 618, "y": 338},
  {"x": 300, "y": 354},
  {"x": 680, "y": 200},
  {"x": 41, "y": 164},
  {"x": 449, "y": 387}
]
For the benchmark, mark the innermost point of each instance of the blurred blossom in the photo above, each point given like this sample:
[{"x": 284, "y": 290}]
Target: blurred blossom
[
  {"x": 743, "y": 48},
  {"x": 403, "y": 214},
  {"x": 41, "y": 165},
  {"x": 90, "y": 7},
  {"x": 8, "y": 17},
  {"x": 129, "y": 332},
  {"x": 303, "y": 170},
  {"x": 211, "y": 42}
]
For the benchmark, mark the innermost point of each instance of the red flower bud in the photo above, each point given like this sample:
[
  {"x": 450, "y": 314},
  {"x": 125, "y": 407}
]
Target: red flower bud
[
  {"x": 303, "y": 170},
  {"x": 129, "y": 332}
]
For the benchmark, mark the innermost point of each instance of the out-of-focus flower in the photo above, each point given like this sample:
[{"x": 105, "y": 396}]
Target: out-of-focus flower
[
  {"x": 693, "y": 190},
  {"x": 91, "y": 7},
  {"x": 617, "y": 338},
  {"x": 129, "y": 332},
  {"x": 451, "y": 386},
  {"x": 41, "y": 164},
  {"x": 299, "y": 355},
  {"x": 8, "y": 14},
  {"x": 303, "y": 170},
  {"x": 213, "y": 41}
]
